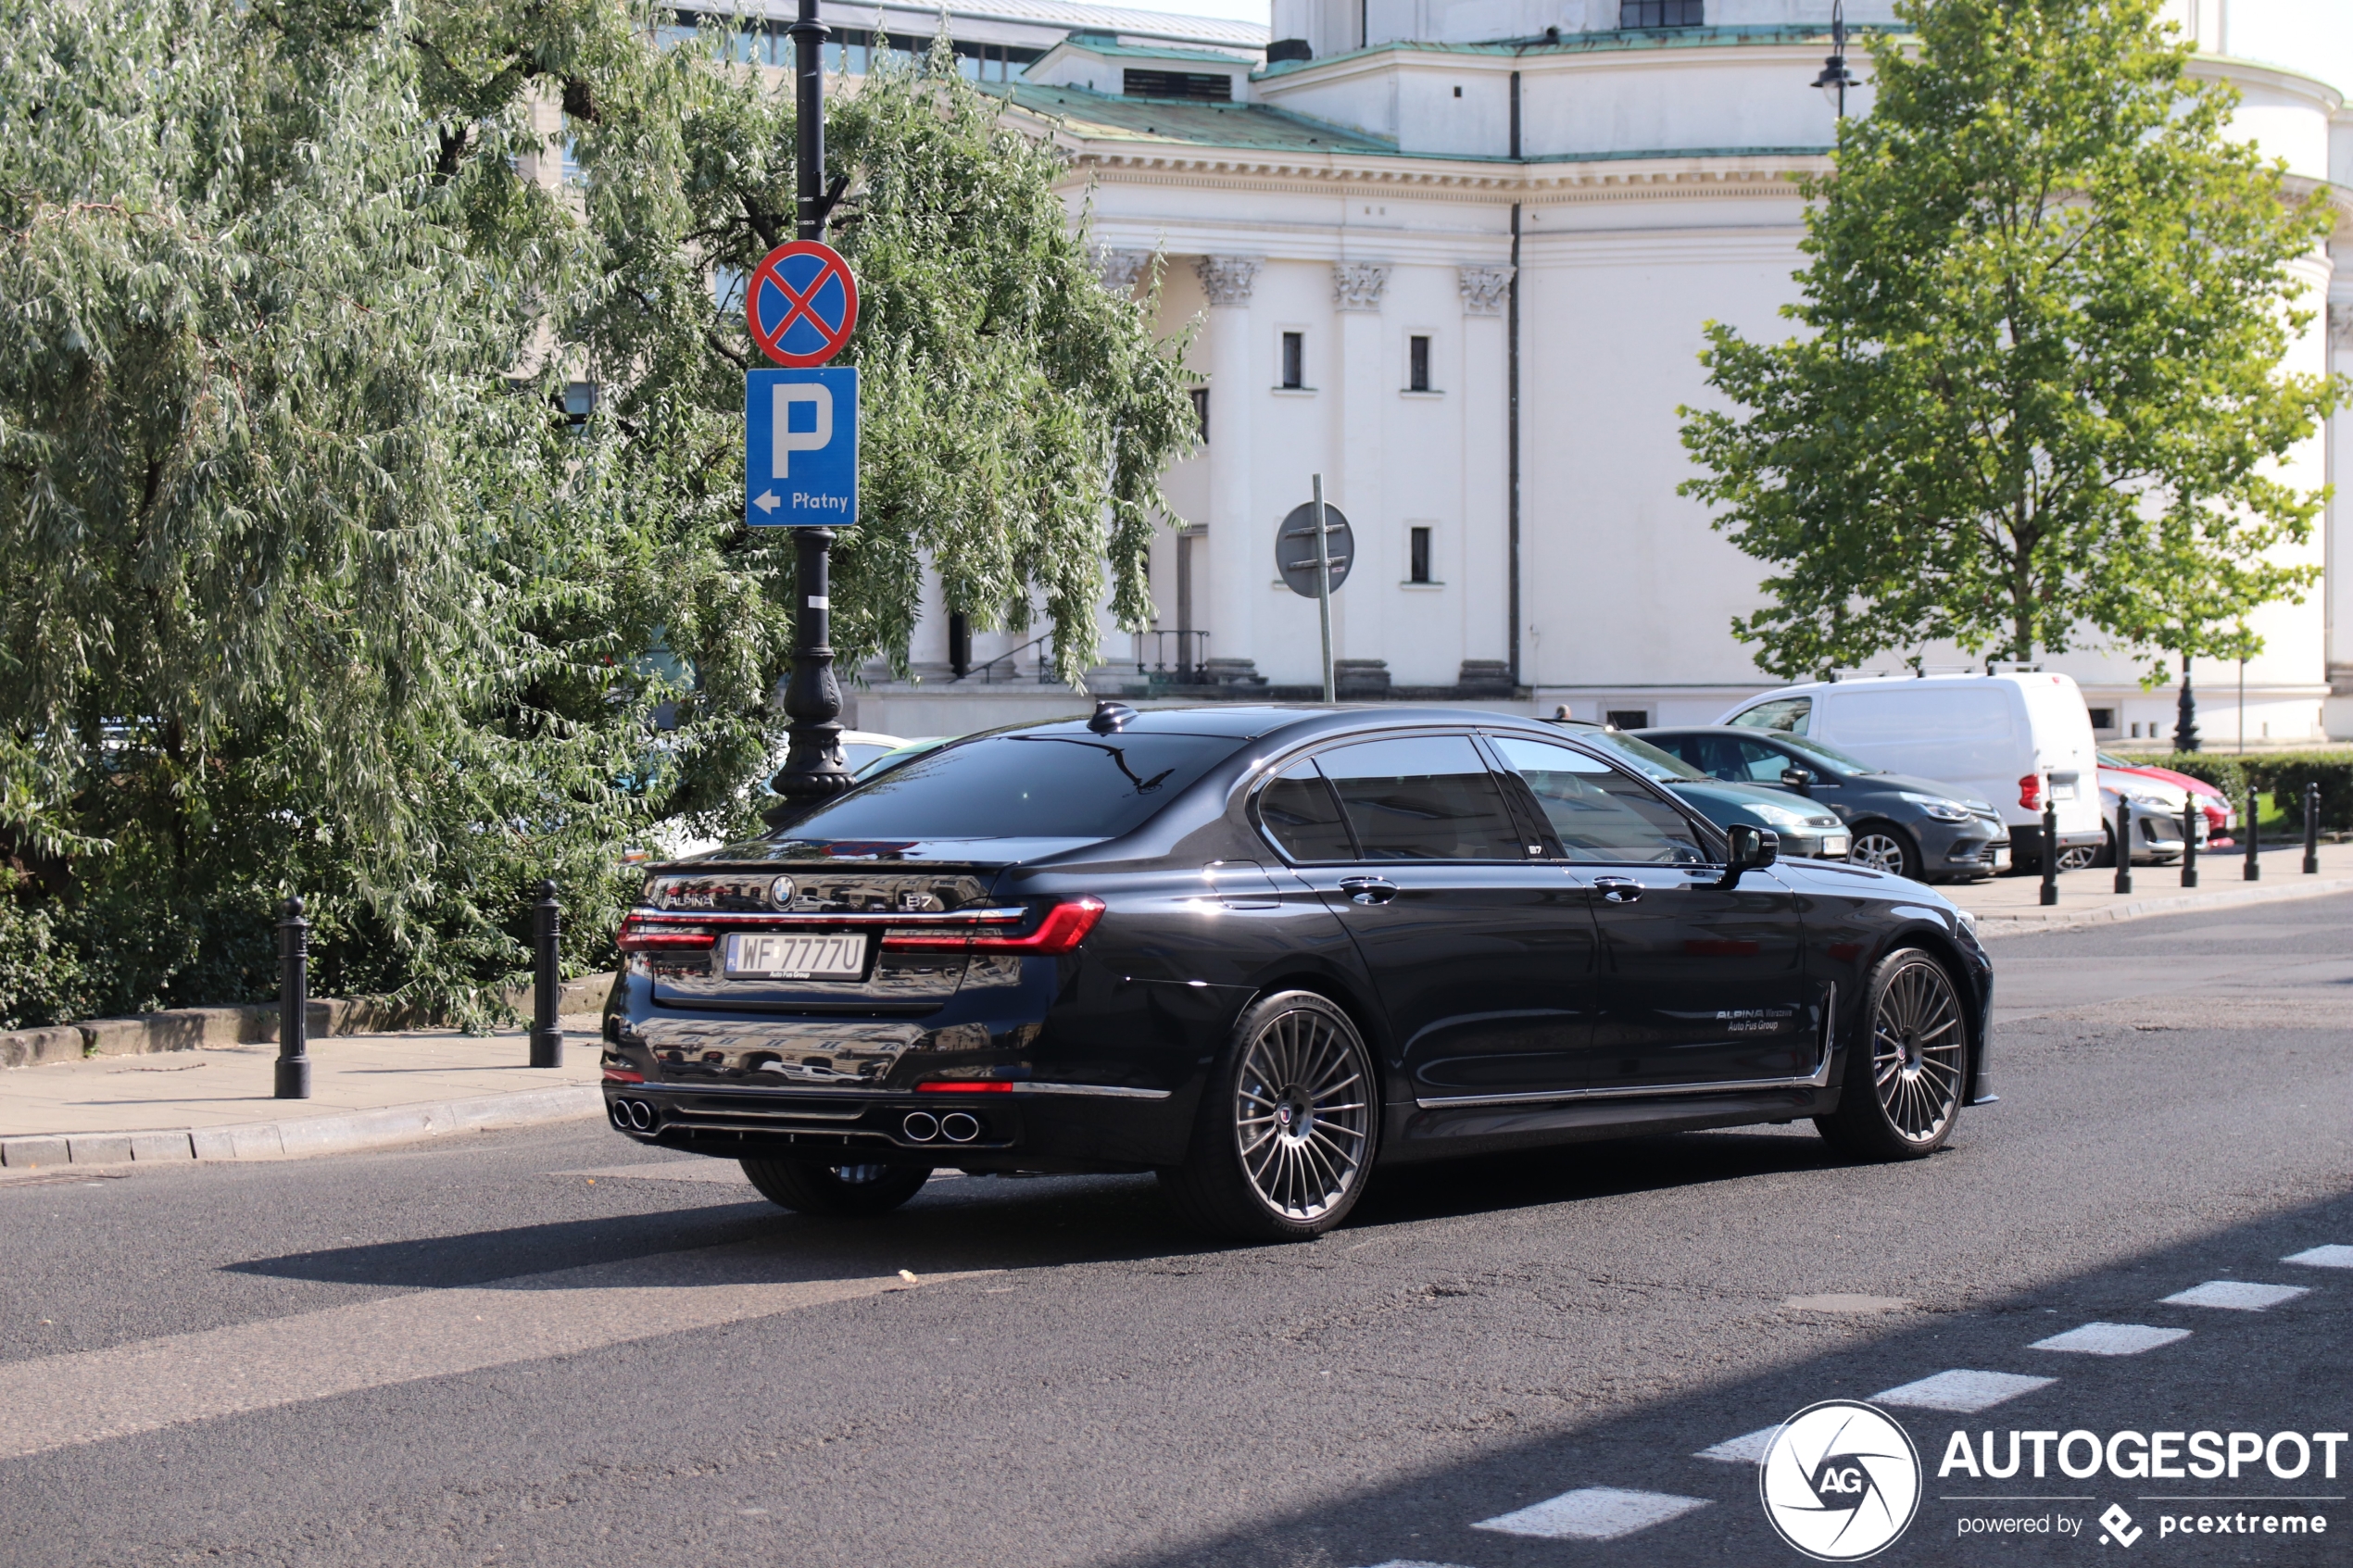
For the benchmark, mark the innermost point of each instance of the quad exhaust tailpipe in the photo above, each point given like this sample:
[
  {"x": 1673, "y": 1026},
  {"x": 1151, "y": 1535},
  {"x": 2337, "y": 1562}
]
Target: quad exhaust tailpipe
[{"x": 957, "y": 1126}]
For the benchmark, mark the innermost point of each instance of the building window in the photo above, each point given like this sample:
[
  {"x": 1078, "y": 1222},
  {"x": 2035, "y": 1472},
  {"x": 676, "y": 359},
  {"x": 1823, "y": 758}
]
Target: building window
[
  {"x": 1200, "y": 86},
  {"x": 580, "y": 401},
  {"x": 1632, "y": 718},
  {"x": 1659, "y": 13},
  {"x": 2103, "y": 717},
  {"x": 1294, "y": 356},
  {"x": 1418, "y": 364},
  {"x": 1200, "y": 415},
  {"x": 1417, "y": 546}
]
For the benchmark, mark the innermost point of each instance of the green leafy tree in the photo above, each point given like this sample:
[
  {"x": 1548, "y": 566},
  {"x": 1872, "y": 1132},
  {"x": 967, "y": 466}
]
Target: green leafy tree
[
  {"x": 307, "y": 581},
  {"x": 2040, "y": 388}
]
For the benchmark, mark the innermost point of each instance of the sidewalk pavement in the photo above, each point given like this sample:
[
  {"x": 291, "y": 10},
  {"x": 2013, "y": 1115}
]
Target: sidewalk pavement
[
  {"x": 369, "y": 1090},
  {"x": 215, "y": 1103},
  {"x": 2008, "y": 906}
]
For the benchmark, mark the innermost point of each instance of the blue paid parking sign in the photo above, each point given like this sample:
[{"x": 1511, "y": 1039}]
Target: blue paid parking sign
[{"x": 800, "y": 447}]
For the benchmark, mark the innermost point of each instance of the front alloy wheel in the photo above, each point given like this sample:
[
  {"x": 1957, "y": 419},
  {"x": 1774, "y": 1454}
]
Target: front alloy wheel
[
  {"x": 1286, "y": 1133},
  {"x": 2079, "y": 857},
  {"x": 1882, "y": 848},
  {"x": 1903, "y": 1088}
]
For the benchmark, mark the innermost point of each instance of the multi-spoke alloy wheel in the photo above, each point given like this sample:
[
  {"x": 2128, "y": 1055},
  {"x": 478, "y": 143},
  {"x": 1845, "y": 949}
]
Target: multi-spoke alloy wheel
[
  {"x": 1902, "y": 1086},
  {"x": 1883, "y": 849},
  {"x": 1287, "y": 1131},
  {"x": 1300, "y": 1110}
]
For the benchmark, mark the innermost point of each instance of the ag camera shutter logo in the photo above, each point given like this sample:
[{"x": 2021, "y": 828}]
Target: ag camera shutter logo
[{"x": 1841, "y": 1481}]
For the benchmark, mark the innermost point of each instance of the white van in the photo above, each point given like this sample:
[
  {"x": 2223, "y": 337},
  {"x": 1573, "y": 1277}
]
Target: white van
[{"x": 1995, "y": 737}]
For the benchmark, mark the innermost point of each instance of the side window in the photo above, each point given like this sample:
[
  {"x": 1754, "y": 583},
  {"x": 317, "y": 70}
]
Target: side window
[
  {"x": 1423, "y": 798},
  {"x": 1761, "y": 764},
  {"x": 1600, "y": 813},
  {"x": 1300, "y": 816},
  {"x": 1788, "y": 714}
]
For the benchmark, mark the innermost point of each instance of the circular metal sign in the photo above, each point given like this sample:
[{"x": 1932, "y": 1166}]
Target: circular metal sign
[
  {"x": 801, "y": 304},
  {"x": 1295, "y": 548}
]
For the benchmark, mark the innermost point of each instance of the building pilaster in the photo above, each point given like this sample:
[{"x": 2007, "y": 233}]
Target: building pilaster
[
  {"x": 1236, "y": 571},
  {"x": 1357, "y": 288}
]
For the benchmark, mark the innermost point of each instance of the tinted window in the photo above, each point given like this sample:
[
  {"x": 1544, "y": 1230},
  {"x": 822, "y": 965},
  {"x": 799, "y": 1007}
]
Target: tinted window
[
  {"x": 1301, "y": 817},
  {"x": 1649, "y": 760},
  {"x": 1743, "y": 761},
  {"x": 1789, "y": 713},
  {"x": 1599, "y": 813},
  {"x": 1022, "y": 786},
  {"x": 1428, "y": 798}
]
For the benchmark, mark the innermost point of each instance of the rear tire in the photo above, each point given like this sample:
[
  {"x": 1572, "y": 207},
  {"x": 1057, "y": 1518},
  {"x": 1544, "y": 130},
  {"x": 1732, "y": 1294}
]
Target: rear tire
[
  {"x": 812, "y": 1187},
  {"x": 1902, "y": 1094},
  {"x": 1285, "y": 1136}
]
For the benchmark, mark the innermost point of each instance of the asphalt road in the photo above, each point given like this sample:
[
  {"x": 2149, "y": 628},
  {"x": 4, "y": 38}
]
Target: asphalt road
[{"x": 542, "y": 1348}]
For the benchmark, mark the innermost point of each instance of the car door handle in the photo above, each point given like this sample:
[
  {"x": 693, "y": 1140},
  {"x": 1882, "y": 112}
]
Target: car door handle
[
  {"x": 1619, "y": 889},
  {"x": 1368, "y": 889}
]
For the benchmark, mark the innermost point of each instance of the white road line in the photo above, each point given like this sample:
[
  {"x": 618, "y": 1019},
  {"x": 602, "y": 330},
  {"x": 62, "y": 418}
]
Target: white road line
[
  {"x": 1748, "y": 1449},
  {"x": 2323, "y": 1258},
  {"x": 2111, "y": 1339},
  {"x": 1592, "y": 1513},
  {"x": 725, "y": 1172},
  {"x": 1413, "y": 1562},
  {"x": 2237, "y": 1295},
  {"x": 89, "y": 1396},
  {"x": 1961, "y": 1391}
]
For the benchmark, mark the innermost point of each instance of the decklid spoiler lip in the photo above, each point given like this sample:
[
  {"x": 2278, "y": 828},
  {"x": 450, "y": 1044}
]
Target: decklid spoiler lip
[{"x": 912, "y": 853}]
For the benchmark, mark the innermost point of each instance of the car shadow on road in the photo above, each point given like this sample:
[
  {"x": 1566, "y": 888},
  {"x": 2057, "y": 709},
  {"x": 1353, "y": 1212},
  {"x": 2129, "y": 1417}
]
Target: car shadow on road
[
  {"x": 2284, "y": 1368},
  {"x": 967, "y": 1223}
]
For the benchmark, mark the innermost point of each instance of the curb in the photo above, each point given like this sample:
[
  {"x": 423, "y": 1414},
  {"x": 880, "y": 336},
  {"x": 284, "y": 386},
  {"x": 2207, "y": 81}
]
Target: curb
[
  {"x": 2169, "y": 904},
  {"x": 301, "y": 1135}
]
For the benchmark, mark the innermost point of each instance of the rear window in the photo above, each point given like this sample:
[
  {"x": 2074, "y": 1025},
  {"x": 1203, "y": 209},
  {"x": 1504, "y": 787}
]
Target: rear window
[{"x": 1023, "y": 786}]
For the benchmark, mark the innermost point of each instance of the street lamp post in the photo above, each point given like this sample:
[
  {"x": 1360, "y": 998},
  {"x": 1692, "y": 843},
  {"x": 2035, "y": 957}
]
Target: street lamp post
[
  {"x": 1835, "y": 78},
  {"x": 2186, "y": 713},
  {"x": 813, "y": 770}
]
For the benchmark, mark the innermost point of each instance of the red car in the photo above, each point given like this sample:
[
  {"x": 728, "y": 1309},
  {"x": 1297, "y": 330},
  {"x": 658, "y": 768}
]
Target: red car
[{"x": 2221, "y": 816}]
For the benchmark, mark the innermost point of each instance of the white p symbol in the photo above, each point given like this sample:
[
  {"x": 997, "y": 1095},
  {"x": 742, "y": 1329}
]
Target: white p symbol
[{"x": 786, "y": 440}]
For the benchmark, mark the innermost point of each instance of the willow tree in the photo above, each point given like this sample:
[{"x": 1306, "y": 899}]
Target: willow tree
[
  {"x": 2039, "y": 394},
  {"x": 309, "y": 580}
]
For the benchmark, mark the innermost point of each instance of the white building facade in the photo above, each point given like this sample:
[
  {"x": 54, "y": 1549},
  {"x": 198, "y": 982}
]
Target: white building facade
[{"x": 1408, "y": 228}]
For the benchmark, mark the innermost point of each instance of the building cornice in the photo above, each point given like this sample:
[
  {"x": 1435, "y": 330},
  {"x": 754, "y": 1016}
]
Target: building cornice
[{"x": 1614, "y": 177}]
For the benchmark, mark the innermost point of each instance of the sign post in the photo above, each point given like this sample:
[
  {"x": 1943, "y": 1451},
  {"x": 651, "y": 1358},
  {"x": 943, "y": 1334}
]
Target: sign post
[
  {"x": 801, "y": 434},
  {"x": 1319, "y": 575}
]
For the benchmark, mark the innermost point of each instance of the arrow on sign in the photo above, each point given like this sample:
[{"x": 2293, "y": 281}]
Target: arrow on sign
[{"x": 766, "y": 501}]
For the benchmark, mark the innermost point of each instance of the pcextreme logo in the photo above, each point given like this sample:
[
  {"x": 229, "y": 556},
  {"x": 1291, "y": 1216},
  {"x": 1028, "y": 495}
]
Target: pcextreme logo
[{"x": 1841, "y": 1481}]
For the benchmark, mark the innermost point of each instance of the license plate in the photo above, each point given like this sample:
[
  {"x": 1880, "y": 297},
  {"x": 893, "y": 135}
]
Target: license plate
[
  {"x": 2002, "y": 859},
  {"x": 2062, "y": 792},
  {"x": 1834, "y": 846},
  {"x": 779, "y": 956}
]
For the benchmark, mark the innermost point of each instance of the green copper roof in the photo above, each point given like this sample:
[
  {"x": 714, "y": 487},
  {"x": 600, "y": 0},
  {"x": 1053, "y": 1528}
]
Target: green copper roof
[
  {"x": 1599, "y": 42},
  {"x": 1099, "y": 116}
]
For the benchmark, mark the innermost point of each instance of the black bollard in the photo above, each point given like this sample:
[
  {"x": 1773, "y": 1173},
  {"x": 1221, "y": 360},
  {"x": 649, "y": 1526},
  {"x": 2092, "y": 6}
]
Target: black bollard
[
  {"x": 2311, "y": 828},
  {"x": 2050, "y": 846},
  {"x": 2191, "y": 817},
  {"x": 294, "y": 1004},
  {"x": 547, "y": 988},
  {"x": 2123, "y": 844},
  {"x": 2254, "y": 867}
]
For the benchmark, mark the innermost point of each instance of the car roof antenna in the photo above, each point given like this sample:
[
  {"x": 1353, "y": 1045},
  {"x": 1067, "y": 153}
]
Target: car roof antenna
[{"x": 1110, "y": 716}]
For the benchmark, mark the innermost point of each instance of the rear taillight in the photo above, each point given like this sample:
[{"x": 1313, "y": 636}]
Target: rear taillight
[
  {"x": 1063, "y": 928},
  {"x": 970, "y": 1087},
  {"x": 2030, "y": 792},
  {"x": 639, "y": 935},
  {"x": 622, "y": 1075}
]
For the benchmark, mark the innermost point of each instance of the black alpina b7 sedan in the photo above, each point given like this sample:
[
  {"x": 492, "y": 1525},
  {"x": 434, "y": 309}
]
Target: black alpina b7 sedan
[{"x": 1261, "y": 950}]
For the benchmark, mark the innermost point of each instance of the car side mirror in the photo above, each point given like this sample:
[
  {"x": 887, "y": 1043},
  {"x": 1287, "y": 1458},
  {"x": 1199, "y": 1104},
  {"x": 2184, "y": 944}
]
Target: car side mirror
[
  {"x": 1798, "y": 779},
  {"x": 1752, "y": 850}
]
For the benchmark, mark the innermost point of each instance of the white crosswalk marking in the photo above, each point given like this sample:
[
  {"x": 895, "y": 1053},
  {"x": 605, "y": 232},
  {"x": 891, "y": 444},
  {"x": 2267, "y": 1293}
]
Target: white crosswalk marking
[
  {"x": 1961, "y": 1391},
  {"x": 88, "y": 1397},
  {"x": 1592, "y": 1513},
  {"x": 1748, "y": 1449},
  {"x": 2330, "y": 1257},
  {"x": 2111, "y": 1339},
  {"x": 2238, "y": 1296}
]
